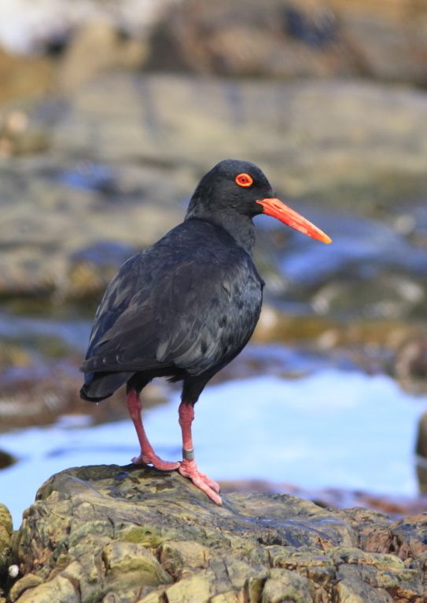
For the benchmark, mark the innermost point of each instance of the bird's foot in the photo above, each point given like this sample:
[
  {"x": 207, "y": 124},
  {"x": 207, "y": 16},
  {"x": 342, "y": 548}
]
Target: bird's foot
[
  {"x": 188, "y": 468},
  {"x": 155, "y": 461}
]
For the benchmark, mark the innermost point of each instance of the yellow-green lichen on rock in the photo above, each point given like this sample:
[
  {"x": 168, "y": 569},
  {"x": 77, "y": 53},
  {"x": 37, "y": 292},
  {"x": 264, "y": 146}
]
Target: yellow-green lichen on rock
[{"x": 106, "y": 534}]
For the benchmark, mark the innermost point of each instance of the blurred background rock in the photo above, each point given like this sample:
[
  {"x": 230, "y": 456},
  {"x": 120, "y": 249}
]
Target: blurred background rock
[{"x": 111, "y": 110}]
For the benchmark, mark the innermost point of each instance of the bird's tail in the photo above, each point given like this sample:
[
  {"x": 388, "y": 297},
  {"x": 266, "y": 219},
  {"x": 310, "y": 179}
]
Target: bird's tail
[{"x": 99, "y": 386}]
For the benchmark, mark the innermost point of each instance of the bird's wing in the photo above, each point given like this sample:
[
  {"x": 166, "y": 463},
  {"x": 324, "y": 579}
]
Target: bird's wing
[
  {"x": 192, "y": 312},
  {"x": 213, "y": 311}
]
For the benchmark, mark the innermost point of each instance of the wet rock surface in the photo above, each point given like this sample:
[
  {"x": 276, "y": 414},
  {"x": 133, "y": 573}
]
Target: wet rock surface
[{"x": 106, "y": 533}]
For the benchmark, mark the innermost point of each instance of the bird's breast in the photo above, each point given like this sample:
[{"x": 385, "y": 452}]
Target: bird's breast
[{"x": 227, "y": 324}]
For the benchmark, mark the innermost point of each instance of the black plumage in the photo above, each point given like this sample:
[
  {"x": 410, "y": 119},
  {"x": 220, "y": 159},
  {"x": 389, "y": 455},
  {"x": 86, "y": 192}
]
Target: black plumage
[
  {"x": 185, "y": 307},
  {"x": 154, "y": 313}
]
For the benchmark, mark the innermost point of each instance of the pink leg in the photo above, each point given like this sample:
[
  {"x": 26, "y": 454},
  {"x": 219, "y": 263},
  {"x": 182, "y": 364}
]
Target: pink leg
[
  {"x": 188, "y": 467},
  {"x": 147, "y": 456}
]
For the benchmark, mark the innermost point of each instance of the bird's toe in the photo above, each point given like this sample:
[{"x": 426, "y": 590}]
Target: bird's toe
[
  {"x": 155, "y": 461},
  {"x": 206, "y": 484},
  {"x": 210, "y": 482}
]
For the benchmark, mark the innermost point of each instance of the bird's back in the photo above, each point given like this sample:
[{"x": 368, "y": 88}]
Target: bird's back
[{"x": 185, "y": 306}]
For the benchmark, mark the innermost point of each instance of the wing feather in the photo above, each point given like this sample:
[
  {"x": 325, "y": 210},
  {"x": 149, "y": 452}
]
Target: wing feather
[{"x": 191, "y": 302}]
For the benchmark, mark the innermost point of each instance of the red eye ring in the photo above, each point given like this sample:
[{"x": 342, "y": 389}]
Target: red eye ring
[{"x": 244, "y": 179}]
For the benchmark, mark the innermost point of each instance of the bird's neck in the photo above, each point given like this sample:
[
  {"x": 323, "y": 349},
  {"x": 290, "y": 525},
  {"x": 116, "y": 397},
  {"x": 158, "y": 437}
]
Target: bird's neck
[{"x": 240, "y": 227}]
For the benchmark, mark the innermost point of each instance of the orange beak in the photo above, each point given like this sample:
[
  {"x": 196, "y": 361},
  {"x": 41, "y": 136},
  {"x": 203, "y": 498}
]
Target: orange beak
[{"x": 280, "y": 211}]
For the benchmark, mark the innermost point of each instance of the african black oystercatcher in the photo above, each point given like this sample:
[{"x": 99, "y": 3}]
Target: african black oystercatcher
[{"x": 185, "y": 307}]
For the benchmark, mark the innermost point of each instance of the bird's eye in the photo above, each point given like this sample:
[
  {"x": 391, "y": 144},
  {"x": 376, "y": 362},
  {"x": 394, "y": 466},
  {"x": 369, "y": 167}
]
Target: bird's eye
[{"x": 244, "y": 180}]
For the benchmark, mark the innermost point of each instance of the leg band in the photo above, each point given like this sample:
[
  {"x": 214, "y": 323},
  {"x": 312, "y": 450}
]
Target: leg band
[{"x": 188, "y": 455}]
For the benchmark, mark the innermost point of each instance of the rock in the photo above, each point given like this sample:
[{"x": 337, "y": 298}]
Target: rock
[
  {"x": 43, "y": 393},
  {"x": 27, "y": 582},
  {"x": 315, "y": 38},
  {"x": 283, "y": 585},
  {"x": 5, "y": 536},
  {"x": 17, "y": 137},
  {"x": 382, "y": 296},
  {"x": 421, "y": 452},
  {"x": 97, "y": 48},
  {"x": 335, "y": 498},
  {"x": 105, "y": 533},
  {"x": 276, "y": 39},
  {"x": 381, "y": 35},
  {"x": 24, "y": 77},
  {"x": 410, "y": 367},
  {"x": 172, "y": 129},
  {"x": 47, "y": 25}
]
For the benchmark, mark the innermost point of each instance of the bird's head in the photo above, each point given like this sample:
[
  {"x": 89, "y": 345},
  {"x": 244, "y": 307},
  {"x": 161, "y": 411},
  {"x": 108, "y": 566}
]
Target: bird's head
[{"x": 241, "y": 187}]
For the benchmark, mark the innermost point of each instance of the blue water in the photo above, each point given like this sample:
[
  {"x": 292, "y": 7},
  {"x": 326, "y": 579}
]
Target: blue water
[{"x": 332, "y": 429}]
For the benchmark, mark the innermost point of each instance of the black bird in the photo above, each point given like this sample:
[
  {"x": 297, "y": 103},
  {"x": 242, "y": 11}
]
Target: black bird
[{"x": 185, "y": 307}]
